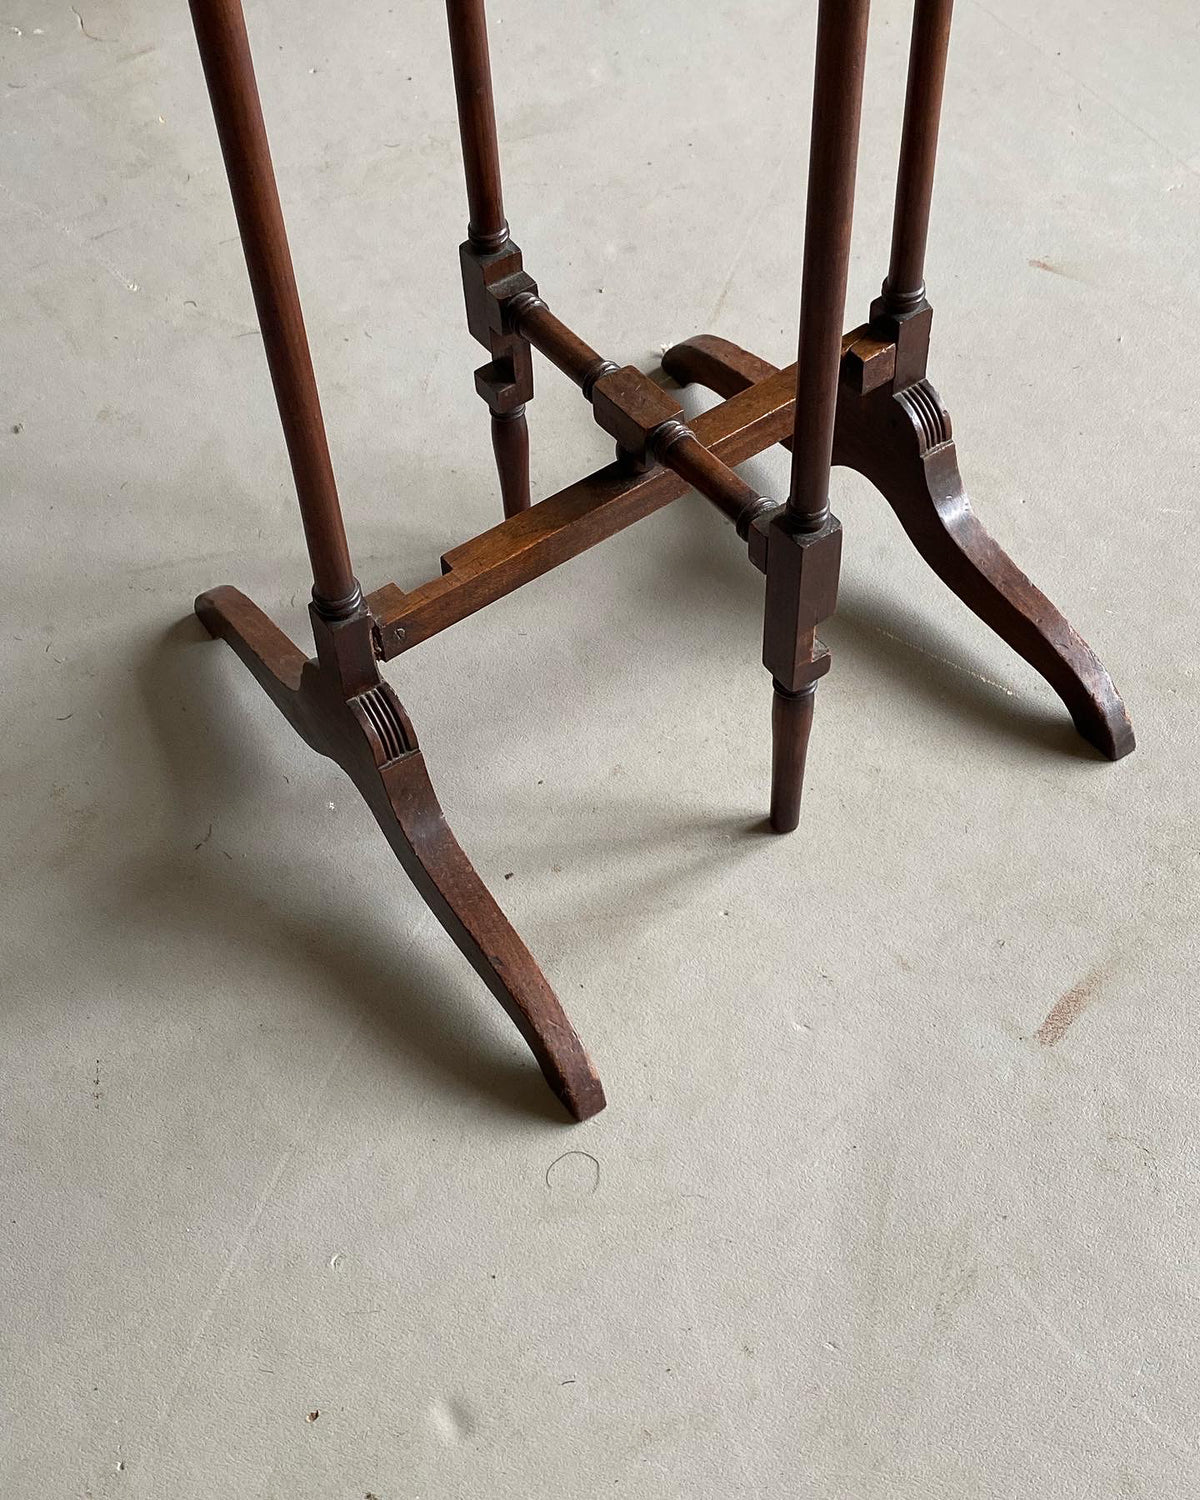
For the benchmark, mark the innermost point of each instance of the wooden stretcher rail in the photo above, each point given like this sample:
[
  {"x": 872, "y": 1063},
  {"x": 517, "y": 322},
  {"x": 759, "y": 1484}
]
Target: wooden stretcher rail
[{"x": 556, "y": 529}]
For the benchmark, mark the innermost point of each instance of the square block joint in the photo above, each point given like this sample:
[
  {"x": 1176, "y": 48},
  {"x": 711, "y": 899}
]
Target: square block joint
[
  {"x": 489, "y": 280},
  {"x": 802, "y": 583},
  {"x": 507, "y": 382},
  {"x": 630, "y": 407}
]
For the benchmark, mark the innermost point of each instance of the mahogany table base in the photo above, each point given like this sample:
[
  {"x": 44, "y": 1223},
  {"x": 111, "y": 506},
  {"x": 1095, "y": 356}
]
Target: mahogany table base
[
  {"x": 899, "y": 440},
  {"x": 860, "y": 400}
]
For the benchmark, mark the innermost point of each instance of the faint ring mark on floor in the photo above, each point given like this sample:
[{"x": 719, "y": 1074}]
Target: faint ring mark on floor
[{"x": 574, "y": 1176}]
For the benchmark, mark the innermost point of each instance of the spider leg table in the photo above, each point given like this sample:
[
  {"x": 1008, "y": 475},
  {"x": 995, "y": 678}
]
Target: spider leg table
[{"x": 860, "y": 399}]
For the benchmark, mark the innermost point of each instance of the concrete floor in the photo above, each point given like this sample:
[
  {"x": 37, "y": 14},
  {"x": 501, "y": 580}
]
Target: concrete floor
[{"x": 848, "y": 1228}]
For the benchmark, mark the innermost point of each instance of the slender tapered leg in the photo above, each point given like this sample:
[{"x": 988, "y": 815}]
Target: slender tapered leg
[
  {"x": 901, "y": 312},
  {"x": 791, "y": 723},
  {"x": 510, "y": 444},
  {"x": 338, "y": 703},
  {"x": 489, "y": 254},
  {"x": 229, "y": 72},
  {"x": 803, "y": 553}
]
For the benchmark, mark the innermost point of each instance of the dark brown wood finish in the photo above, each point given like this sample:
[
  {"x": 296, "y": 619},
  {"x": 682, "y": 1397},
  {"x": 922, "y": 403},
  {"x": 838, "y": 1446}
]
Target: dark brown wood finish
[
  {"x": 791, "y": 724},
  {"x": 550, "y": 336},
  {"x": 904, "y": 288},
  {"x": 803, "y": 542},
  {"x": 487, "y": 226},
  {"x": 495, "y": 563},
  {"x": 229, "y": 73},
  {"x": 506, "y": 384},
  {"x": 646, "y": 422},
  {"x": 901, "y": 440},
  {"x": 338, "y": 703},
  {"x": 678, "y": 447},
  {"x": 833, "y": 161},
  {"x": 510, "y": 444},
  {"x": 369, "y": 736},
  {"x": 901, "y": 314},
  {"x": 859, "y": 399}
]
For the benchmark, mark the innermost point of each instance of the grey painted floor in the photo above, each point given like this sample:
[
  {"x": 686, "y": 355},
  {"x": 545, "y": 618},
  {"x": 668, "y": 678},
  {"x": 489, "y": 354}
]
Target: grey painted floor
[{"x": 848, "y": 1227}]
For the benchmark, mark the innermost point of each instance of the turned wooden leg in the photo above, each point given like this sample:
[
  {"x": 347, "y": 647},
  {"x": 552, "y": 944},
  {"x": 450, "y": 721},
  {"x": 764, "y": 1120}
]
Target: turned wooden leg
[
  {"x": 510, "y": 444},
  {"x": 803, "y": 541},
  {"x": 370, "y": 736},
  {"x": 489, "y": 253},
  {"x": 791, "y": 723},
  {"x": 229, "y": 72}
]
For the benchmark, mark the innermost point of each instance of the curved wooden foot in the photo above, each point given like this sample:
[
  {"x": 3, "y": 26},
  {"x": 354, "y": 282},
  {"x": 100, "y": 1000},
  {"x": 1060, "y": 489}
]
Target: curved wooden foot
[
  {"x": 901, "y": 441},
  {"x": 716, "y": 364},
  {"x": 369, "y": 735}
]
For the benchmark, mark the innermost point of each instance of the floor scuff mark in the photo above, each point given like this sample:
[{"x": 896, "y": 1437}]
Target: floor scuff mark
[{"x": 1067, "y": 1009}]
